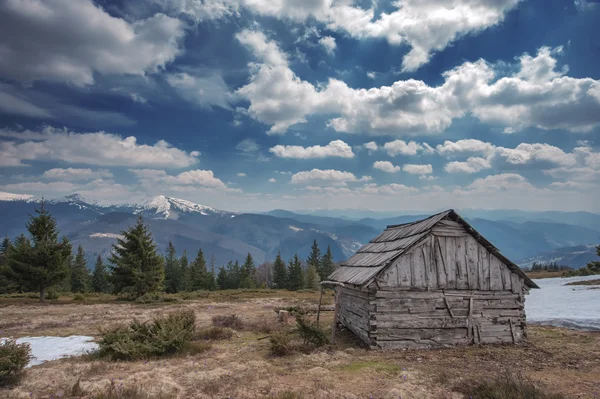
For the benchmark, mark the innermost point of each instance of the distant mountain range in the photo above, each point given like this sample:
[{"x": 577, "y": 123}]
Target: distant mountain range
[{"x": 524, "y": 237}]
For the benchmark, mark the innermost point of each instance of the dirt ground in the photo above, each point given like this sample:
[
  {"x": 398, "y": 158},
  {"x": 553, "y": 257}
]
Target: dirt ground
[{"x": 559, "y": 360}]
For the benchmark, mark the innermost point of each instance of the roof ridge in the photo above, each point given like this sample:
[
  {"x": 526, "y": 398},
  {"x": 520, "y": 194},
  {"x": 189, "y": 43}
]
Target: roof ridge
[{"x": 389, "y": 226}]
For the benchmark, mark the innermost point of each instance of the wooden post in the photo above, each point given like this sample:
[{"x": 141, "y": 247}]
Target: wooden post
[
  {"x": 335, "y": 309},
  {"x": 319, "y": 308}
]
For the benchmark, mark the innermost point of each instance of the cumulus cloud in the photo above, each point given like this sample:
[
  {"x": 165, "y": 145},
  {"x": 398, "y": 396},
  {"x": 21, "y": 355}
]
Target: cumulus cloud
[
  {"x": 388, "y": 189},
  {"x": 535, "y": 95},
  {"x": 471, "y": 165},
  {"x": 195, "y": 178},
  {"x": 206, "y": 90},
  {"x": 98, "y": 148},
  {"x": 328, "y": 175},
  {"x": 500, "y": 182},
  {"x": 386, "y": 166},
  {"x": 241, "y": 174},
  {"x": 74, "y": 174},
  {"x": 328, "y": 44},
  {"x": 248, "y": 146},
  {"x": 69, "y": 41},
  {"x": 272, "y": 180},
  {"x": 527, "y": 153},
  {"x": 417, "y": 169},
  {"x": 401, "y": 147},
  {"x": 336, "y": 148},
  {"x": 466, "y": 146}
]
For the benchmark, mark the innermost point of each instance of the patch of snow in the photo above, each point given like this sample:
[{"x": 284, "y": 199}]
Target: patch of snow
[
  {"x": 106, "y": 235},
  {"x": 570, "y": 306},
  {"x": 4, "y": 196},
  {"x": 167, "y": 207},
  {"x": 295, "y": 228},
  {"x": 44, "y": 349}
]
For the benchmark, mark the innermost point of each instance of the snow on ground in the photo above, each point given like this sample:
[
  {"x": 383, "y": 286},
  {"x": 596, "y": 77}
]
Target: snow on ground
[
  {"x": 570, "y": 306},
  {"x": 295, "y": 228},
  {"x": 45, "y": 349}
]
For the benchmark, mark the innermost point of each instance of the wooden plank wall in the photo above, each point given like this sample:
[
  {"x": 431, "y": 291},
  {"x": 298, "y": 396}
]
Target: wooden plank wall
[
  {"x": 355, "y": 311},
  {"x": 450, "y": 258},
  {"x": 415, "y": 319}
]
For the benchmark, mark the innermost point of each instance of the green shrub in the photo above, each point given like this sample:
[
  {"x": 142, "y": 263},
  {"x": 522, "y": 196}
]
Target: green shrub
[
  {"x": 150, "y": 297},
  {"x": 78, "y": 297},
  {"x": 13, "y": 359},
  {"x": 52, "y": 293},
  {"x": 160, "y": 337},
  {"x": 193, "y": 294},
  {"x": 215, "y": 333},
  {"x": 310, "y": 332},
  {"x": 228, "y": 321},
  {"x": 281, "y": 343},
  {"x": 505, "y": 386}
]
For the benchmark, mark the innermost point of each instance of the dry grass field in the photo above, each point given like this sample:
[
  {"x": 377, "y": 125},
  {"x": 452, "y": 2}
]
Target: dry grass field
[{"x": 559, "y": 361}]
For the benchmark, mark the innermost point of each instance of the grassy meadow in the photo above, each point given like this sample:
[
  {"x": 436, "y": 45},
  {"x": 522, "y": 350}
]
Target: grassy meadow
[{"x": 236, "y": 361}]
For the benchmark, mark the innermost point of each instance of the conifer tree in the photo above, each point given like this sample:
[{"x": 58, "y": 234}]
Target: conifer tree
[
  {"x": 172, "y": 270},
  {"x": 311, "y": 281},
  {"x": 222, "y": 278},
  {"x": 327, "y": 265},
  {"x": 280, "y": 276},
  {"x": 65, "y": 284},
  {"x": 6, "y": 285},
  {"x": 295, "y": 274},
  {"x": 99, "y": 277},
  {"x": 184, "y": 272},
  {"x": 40, "y": 262},
  {"x": 198, "y": 272},
  {"x": 248, "y": 273},
  {"x": 79, "y": 272},
  {"x": 136, "y": 268},
  {"x": 314, "y": 258}
]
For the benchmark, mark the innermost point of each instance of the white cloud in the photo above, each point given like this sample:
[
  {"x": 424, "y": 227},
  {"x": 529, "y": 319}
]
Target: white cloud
[
  {"x": 527, "y": 153},
  {"x": 501, "y": 182},
  {"x": 248, "y": 146},
  {"x": 74, "y": 174},
  {"x": 329, "y": 175},
  {"x": 466, "y": 145},
  {"x": 98, "y": 148},
  {"x": 328, "y": 43},
  {"x": 195, "y": 178},
  {"x": 272, "y": 180},
  {"x": 205, "y": 91},
  {"x": 69, "y": 41},
  {"x": 386, "y": 166},
  {"x": 241, "y": 174},
  {"x": 336, "y": 148},
  {"x": 388, "y": 189},
  {"x": 396, "y": 147},
  {"x": 417, "y": 169},
  {"x": 536, "y": 95},
  {"x": 471, "y": 165},
  {"x": 372, "y": 74}
]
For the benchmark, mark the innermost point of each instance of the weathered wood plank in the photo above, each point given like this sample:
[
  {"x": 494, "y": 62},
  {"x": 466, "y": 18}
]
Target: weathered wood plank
[
  {"x": 438, "y": 259},
  {"x": 450, "y": 260},
  {"x": 462, "y": 282},
  {"x": 422, "y": 323},
  {"x": 517, "y": 283},
  {"x": 404, "y": 271},
  {"x": 472, "y": 262},
  {"x": 450, "y": 223},
  {"x": 433, "y": 334},
  {"x": 448, "y": 232},
  {"x": 495, "y": 274}
]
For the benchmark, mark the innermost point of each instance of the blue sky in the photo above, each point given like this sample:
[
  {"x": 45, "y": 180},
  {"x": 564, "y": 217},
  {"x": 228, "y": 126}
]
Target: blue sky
[{"x": 262, "y": 104}]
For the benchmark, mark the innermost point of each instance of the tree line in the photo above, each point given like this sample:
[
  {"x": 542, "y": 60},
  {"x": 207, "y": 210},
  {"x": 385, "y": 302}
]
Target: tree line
[{"x": 42, "y": 261}]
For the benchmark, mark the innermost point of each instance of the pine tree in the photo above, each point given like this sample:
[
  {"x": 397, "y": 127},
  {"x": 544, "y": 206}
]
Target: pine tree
[
  {"x": 198, "y": 272},
  {"x": 184, "y": 272},
  {"x": 65, "y": 284},
  {"x": 79, "y": 272},
  {"x": 311, "y": 281},
  {"x": 314, "y": 258},
  {"x": 42, "y": 261},
  {"x": 222, "y": 278},
  {"x": 136, "y": 268},
  {"x": 172, "y": 270},
  {"x": 295, "y": 274},
  {"x": 248, "y": 273},
  {"x": 327, "y": 265},
  {"x": 279, "y": 273},
  {"x": 99, "y": 277},
  {"x": 6, "y": 285}
]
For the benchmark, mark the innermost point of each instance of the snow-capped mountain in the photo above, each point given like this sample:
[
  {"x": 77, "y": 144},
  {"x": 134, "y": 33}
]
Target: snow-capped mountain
[
  {"x": 15, "y": 197},
  {"x": 163, "y": 207}
]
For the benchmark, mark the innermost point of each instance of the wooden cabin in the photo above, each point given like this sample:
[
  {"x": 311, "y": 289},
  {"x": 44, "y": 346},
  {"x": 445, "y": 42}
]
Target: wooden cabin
[{"x": 431, "y": 283}]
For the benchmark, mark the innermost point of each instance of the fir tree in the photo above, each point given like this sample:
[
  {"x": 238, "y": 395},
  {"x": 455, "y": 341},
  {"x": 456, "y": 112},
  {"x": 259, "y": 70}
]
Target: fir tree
[
  {"x": 184, "y": 272},
  {"x": 40, "y": 262},
  {"x": 6, "y": 285},
  {"x": 198, "y": 272},
  {"x": 210, "y": 282},
  {"x": 327, "y": 265},
  {"x": 99, "y": 277},
  {"x": 248, "y": 273},
  {"x": 172, "y": 270},
  {"x": 65, "y": 284},
  {"x": 314, "y": 258},
  {"x": 136, "y": 268},
  {"x": 79, "y": 272},
  {"x": 311, "y": 282},
  {"x": 279, "y": 273},
  {"x": 295, "y": 274}
]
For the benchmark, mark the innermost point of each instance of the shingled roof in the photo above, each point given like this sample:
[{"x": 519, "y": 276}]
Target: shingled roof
[{"x": 395, "y": 240}]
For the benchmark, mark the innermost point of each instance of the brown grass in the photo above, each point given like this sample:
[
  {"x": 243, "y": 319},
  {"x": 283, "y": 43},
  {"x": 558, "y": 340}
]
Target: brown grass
[{"x": 242, "y": 367}]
